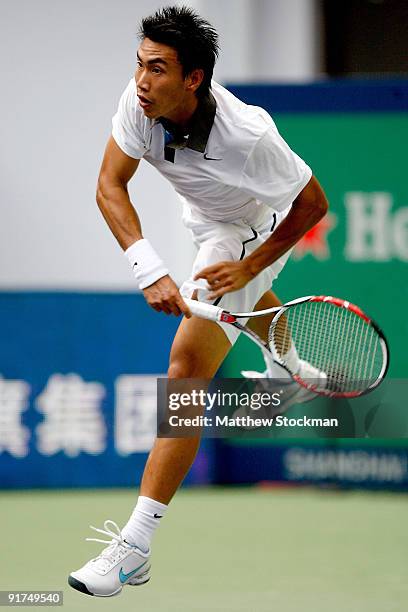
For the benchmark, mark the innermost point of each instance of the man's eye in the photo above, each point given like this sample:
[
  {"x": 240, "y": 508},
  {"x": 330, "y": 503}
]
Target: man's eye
[{"x": 156, "y": 70}]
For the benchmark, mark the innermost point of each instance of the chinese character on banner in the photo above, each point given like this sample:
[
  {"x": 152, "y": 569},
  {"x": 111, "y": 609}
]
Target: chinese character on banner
[
  {"x": 13, "y": 401},
  {"x": 73, "y": 419},
  {"x": 135, "y": 413}
]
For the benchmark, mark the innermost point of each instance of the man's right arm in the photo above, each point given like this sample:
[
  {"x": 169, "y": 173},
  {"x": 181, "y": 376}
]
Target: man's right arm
[
  {"x": 112, "y": 195},
  {"x": 114, "y": 203}
]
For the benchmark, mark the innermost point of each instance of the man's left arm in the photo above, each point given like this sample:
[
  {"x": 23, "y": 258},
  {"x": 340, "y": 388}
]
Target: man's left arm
[{"x": 307, "y": 210}]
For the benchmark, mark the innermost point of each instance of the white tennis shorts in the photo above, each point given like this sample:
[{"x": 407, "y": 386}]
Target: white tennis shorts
[{"x": 221, "y": 241}]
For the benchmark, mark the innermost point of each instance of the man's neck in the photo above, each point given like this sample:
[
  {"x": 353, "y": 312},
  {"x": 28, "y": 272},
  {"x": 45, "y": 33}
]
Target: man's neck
[{"x": 182, "y": 116}]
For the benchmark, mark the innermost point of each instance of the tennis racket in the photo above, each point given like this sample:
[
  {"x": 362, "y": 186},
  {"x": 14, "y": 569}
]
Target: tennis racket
[{"x": 328, "y": 345}]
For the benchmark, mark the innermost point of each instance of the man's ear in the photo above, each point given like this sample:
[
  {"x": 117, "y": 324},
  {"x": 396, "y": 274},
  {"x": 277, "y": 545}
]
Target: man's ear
[{"x": 194, "y": 79}]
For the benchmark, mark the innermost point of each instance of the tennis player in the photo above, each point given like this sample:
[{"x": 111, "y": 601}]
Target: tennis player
[{"x": 248, "y": 198}]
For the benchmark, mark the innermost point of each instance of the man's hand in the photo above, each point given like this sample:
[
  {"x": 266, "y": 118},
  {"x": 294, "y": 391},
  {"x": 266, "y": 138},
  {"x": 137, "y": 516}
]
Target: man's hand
[
  {"x": 225, "y": 277},
  {"x": 164, "y": 296}
]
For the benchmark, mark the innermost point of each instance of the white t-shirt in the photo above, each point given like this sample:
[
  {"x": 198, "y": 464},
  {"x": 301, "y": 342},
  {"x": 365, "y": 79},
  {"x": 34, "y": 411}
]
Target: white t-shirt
[{"x": 244, "y": 166}]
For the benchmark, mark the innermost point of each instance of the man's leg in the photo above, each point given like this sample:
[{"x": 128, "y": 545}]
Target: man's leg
[
  {"x": 295, "y": 394},
  {"x": 261, "y": 325},
  {"x": 198, "y": 350}
]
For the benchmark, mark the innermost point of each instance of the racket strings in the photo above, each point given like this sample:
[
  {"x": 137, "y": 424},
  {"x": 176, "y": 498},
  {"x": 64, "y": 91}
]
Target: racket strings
[{"x": 332, "y": 339}]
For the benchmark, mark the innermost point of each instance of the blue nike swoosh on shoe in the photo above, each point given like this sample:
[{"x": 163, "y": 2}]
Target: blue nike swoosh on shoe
[{"x": 123, "y": 577}]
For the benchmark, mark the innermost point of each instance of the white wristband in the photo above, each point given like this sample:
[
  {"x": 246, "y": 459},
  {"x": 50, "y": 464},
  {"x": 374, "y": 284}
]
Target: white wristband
[{"x": 146, "y": 264}]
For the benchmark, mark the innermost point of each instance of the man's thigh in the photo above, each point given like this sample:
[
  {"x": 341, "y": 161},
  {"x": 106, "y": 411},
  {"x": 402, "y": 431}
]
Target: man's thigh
[
  {"x": 261, "y": 325},
  {"x": 198, "y": 349}
]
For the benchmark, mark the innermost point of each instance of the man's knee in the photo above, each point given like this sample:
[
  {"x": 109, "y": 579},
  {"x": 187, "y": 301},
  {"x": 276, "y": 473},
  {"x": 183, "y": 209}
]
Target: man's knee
[{"x": 182, "y": 368}]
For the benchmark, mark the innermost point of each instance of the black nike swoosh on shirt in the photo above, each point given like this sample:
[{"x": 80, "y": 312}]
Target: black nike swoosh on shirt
[
  {"x": 212, "y": 158},
  {"x": 157, "y": 515}
]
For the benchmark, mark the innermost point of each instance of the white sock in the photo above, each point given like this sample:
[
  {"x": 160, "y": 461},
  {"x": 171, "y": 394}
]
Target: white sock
[
  {"x": 143, "y": 521},
  {"x": 291, "y": 358},
  {"x": 277, "y": 371}
]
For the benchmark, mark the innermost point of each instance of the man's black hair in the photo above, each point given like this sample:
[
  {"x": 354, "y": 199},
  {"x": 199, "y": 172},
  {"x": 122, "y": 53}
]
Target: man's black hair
[{"x": 194, "y": 39}]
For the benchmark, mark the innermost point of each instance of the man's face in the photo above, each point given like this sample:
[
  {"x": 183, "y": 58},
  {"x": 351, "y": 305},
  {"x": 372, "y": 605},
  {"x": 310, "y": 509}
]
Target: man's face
[{"x": 161, "y": 88}]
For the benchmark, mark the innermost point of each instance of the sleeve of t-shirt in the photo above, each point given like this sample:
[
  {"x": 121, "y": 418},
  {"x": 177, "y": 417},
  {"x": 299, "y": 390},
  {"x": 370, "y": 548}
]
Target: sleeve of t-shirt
[
  {"x": 273, "y": 173},
  {"x": 125, "y": 129}
]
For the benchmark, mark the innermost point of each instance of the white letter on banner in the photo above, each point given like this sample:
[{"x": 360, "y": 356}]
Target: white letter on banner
[
  {"x": 14, "y": 436},
  {"x": 400, "y": 227},
  {"x": 368, "y": 221},
  {"x": 73, "y": 419},
  {"x": 135, "y": 413}
]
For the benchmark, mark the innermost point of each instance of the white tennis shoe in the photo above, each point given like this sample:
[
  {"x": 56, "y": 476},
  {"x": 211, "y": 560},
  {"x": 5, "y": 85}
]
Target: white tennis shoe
[
  {"x": 291, "y": 391},
  {"x": 118, "y": 564}
]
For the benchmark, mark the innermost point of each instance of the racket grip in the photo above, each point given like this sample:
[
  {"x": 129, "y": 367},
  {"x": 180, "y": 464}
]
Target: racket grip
[{"x": 203, "y": 310}]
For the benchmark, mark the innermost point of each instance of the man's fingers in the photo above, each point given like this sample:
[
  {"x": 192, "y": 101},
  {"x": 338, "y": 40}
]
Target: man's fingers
[
  {"x": 225, "y": 281},
  {"x": 172, "y": 306},
  {"x": 210, "y": 271},
  {"x": 161, "y": 308},
  {"x": 164, "y": 296},
  {"x": 184, "y": 308},
  {"x": 221, "y": 278},
  {"x": 178, "y": 307},
  {"x": 165, "y": 308},
  {"x": 174, "y": 309}
]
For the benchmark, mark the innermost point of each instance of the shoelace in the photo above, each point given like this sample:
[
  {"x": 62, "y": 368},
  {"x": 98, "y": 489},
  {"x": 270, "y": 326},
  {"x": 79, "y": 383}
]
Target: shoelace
[
  {"x": 114, "y": 535},
  {"x": 111, "y": 530}
]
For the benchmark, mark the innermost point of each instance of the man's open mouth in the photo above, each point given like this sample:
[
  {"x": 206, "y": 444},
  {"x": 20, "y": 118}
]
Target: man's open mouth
[{"x": 144, "y": 101}]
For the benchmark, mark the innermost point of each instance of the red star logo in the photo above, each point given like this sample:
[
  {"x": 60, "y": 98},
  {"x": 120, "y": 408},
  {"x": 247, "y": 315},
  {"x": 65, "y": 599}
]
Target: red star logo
[{"x": 315, "y": 240}]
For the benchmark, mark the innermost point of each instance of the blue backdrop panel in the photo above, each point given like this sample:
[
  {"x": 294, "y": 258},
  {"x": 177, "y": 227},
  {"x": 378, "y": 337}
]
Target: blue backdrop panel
[
  {"x": 335, "y": 462},
  {"x": 74, "y": 404},
  {"x": 338, "y": 96}
]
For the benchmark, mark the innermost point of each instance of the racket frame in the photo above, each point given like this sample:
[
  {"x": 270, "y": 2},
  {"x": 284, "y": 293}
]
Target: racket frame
[{"x": 217, "y": 313}]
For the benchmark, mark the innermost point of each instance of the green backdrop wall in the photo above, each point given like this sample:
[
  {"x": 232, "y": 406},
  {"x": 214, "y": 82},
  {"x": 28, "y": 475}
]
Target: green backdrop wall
[
  {"x": 353, "y": 134},
  {"x": 359, "y": 251}
]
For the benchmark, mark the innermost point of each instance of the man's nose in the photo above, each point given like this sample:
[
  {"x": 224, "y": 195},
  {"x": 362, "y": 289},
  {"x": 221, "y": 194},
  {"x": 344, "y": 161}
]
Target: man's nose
[{"x": 142, "y": 81}]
